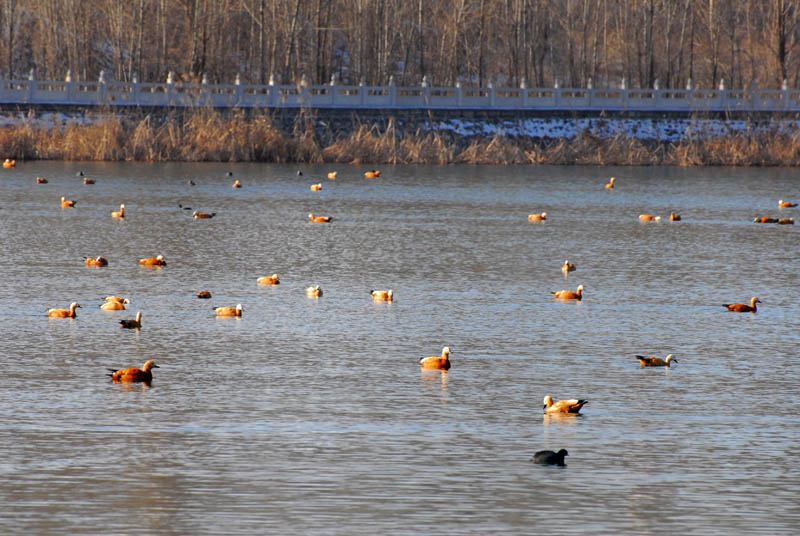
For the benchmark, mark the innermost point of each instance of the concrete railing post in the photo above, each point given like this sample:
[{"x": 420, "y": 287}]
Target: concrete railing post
[
  {"x": 273, "y": 93},
  {"x": 135, "y": 89},
  {"x": 459, "y": 94},
  {"x": 491, "y": 95},
  {"x": 102, "y": 89},
  {"x": 785, "y": 94},
  {"x": 523, "y": 90},
  {"x": 426, "y": 91},
  {"x": 623, "y": 87},
  {"x": 556, "y": 93},
  {"x": 31, "y": 87},
  {"x": 362, "y": 91},
  {"x": 589, "y": 92},
  {"x": 239, "y": 90},
  {"x": 170, "y": 87},
  {"x": 70, "y": 87},
  {"x": 723, "y": 99},
  {"x": 392, "y": 91}
]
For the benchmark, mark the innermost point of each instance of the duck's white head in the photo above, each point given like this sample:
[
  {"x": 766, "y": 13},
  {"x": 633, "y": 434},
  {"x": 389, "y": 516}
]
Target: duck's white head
[
  {"x": 580, "y": 288},
  {"x": 239, "y": 307},
  {"x": 160, "y": 257},
  {"x": 670, "y": 357}
]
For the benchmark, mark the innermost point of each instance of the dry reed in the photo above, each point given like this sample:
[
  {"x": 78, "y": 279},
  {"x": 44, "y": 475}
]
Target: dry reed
[{"x": 207, "y": 135}]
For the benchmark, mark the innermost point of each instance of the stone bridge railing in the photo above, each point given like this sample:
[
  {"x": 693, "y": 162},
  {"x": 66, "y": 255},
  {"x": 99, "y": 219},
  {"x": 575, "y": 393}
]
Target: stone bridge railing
[{"x": 104, "y": 92}]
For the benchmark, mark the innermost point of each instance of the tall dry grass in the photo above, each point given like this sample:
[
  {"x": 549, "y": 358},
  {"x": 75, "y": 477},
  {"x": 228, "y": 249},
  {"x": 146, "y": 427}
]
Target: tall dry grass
[{"x": 207, "y": 135}]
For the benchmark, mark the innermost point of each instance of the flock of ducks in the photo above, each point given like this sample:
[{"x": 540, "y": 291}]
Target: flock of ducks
[{"x": 441, "y": 362}]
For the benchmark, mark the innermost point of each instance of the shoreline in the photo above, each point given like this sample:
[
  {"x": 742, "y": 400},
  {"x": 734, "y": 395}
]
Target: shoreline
[{"x": 210, "y": 136}]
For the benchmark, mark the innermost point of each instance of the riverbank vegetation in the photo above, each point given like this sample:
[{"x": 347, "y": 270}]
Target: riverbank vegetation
[{"x": 206, "y": 135}]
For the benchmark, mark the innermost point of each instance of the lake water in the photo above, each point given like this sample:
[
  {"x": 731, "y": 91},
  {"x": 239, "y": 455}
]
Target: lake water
[{"x": 311, "y": 416}]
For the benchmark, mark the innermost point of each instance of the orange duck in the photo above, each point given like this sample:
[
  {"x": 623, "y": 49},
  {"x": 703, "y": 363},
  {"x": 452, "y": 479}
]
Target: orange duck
[
  {"x": 120, "y": 213},
  {"x": 229, "y": 311},
  {"x": 153, "y": 261},
  {"x": 374, "y": 174},
  {"x": 41, "y": 180},
  {"x": 63, "y": 313},
  {"x": 786, "y": 221},
  {"x": 316, "y": 187},
  {"x": 567, "y": 267},
  {"x": 8, "y": 163},
  {"x": 786, "y": 204},
  {"x": 134, "y": 374},
  {"x": 674, "y": 216},
  {"x": 537, "y": 217},
  {"x": 610, "y": 184},
  {"x": 204, "y": 295},
  {"x": 268, "y": 280},
  {"x": 765, "y": 219},
  {"x": 332, "y": 175},
  {"x": 97, "y": 261},
  {"x": 742, "y": 308},
  {"x": 563, "y": 406},
  {"x": 649, "y": 361},
  {"x": 236, "y": 184},
  {"x": 132, "y": 324},
  {"x": 314, "y": 292},
  {"x": 382, "y": 295},
  {"x": 648, "y": 217},
  {"x": 319, "y": 219},
  {"x": 66, "y": 203},
  {"x": 203, "y": 215},
  {"x": 568, "y": 294},
  {"x": 112, "y": 306},
  {"x": 441, "y": 362}
]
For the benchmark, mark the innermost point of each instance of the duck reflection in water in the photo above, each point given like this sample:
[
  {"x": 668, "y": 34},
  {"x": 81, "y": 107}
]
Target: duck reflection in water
[{"x": 433, "y": 379}]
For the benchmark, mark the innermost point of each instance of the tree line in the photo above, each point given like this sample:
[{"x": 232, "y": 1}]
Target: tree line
[{"x": 474, "y": 42}]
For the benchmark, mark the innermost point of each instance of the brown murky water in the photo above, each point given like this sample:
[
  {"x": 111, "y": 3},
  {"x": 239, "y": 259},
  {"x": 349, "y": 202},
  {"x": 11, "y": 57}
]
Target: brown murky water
[{"x": 312, "y": 416}]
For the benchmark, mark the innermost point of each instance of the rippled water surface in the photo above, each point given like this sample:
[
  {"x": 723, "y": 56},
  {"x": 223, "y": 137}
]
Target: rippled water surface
[{"x": 312, "y": 416}]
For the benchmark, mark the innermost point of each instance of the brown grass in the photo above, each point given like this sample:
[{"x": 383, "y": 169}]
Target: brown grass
[{"x": 207, "y": 135}]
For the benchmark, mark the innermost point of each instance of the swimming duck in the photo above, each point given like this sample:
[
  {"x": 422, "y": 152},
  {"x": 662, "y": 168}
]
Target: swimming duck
[
  {"x": 314, "y": 292},
  {"x": 153, "y": 261},
  {"x": 382, "y": 295},
  {"x": 648, "y": 217},
  {"x": 319, "y": 219},
  {"x": 112, "y": 306},
  {"x": 236, "y": 184},
  {"x": 332, "y": 174},
  {"x": 63, "y": 313},
  {"x": 268, "y": 280},
  {"x": 96, "y": 261},
  {"x": 120, "y": 213},
  {"x": 765, "y": 219},
  {"x": 548, "y": 457},
  {"x": 563, "y": 406},
  {"x": 437, "y": 362},
  {"x": 568, "y": 294},
  {"x": 134, "y": 374},
  {"x": 786, "y": 221},
  {"x": 66, "y": 203},
  {"x": 87, "y": 180},
  {"x": 537, "y": 217},
  {"x": 610, "y": 184},
  {"x": 41, "y": 180},
  {"x": 132, "y": 324},
  {"x": 316, "y": 187},
  {"x": 567, "y": 267},
  {"x": 204, "y": 295},
  {"x": 374, "y": 174},
  {"x": 203, "y": 215},
  {"x": 786, "y": 204},
  {"x": 8, "y": 163},
  {"x": 674, "y": 216},
  {"x": 118, "y": 299},
  {"x": 742, "y": 308},
  {"x": 646, "y": 361},
  {"x": 229, "y": 311}
]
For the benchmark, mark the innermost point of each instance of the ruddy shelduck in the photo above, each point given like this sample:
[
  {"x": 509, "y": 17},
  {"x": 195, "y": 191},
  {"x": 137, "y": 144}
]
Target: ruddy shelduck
[
  {"x": 204, "y": 295},
  {"x": 118, "y": 299},
  {"x": 332, "y": 174},
  {"x": 316, "y": 187},
  {"x": 568, "y": 294},
  {"x": 567, "y": 267},
  {"x": 95, "y": 261},
  {"x": 133, "y": 374},
  {"x": 648, "y": 217},
  {"x": 537, "y": 217},
  {"x": 610, "y": 183},
  {"x": 229, "y": 311},
  {"x": 573, "y": 405},
  {"x": 786, "y": 221},
  {"x": 650, "y": 361},
  {"x": 112, "y": 306},
  {"x": 674, "y": 216},
  {"x": 41, "y": 180},
  {"x": 66, "y": 203},
  {"x": 87, "y": 180},
  {"x": 268, "y": 280},
  {"x": 319, "y": 219},
  {"x": 441, "y": 362},
  {"x": 314, "y": 292},
  {"x": 8, "y": 163},
  {"x": 765, "y": 219},
  {"x": 742, "y": 308},
  {"x": 120, "y": 213},
  {"x": 374, "y": 174},
  {"x": 548, "y": 457},
  {"x": 786, "y": 204},
  {"x": 236, "y": 184},
  {"x": 203, "y": 215},
  {"x": 132, "y": 324},
  {"x": 382, "y": 295},
  {"x": 63, "y": 313},
  {"x": 153, "y": 261}
]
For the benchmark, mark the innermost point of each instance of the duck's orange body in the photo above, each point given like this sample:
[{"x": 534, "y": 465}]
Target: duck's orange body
[
  {"x": 316, "y": 187},
  {"x": 537, "y": 217},
  {"x": 203, "y": 215},
  {"x": 441, "y": 362},
  {"x": 8, "y": 163},
  {"x": 786, "y": 204},
  {"x": 610, "y": 184},
  {"x": 650, "y": 361},
  {"x": 674, "y": 216},
  {"x": 382, "y": 295},
  {"x": 236, "y": 184},
  {"x": 112, "y": 306},
  {"x": 374, "y": 174},
  {"x": 132, "y": 324},
  {"x": 67, "y": 203},
  {"x": 314, "y": 292},
  {"x": 153, "y": 261},
  {"x": 41, "y": 180},
  {"x": 742, "y": 308},
  {"x": 204, "y": 294},
  {"x": 568, "y": 294},
  {"x": 268, "y": 280},
  {"x": 120, "y": 213},
  {"x": 765, "y": 219},
  {"x": 133, "y": 374},
  {"x": 332, "y": 174},
  {"x": 648, "y": 217},
  {"x": 786, "y": 221},
  {"x": 319, "y": 219},
  {"x": 63, "y": 313},
  {"x": 567, "y": 267},
  {"x": 229, "y": 311},
  {"x": 563, "y": 406},
  {"x": 118, "y": 299},
  {"x": 96, "y": 261},
  {"x": 87, "y": 180}
]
